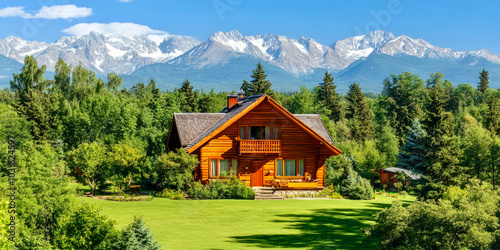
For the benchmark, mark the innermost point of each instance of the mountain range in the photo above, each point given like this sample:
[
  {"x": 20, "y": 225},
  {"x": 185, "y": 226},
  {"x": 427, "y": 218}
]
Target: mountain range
[{"x": 225, "y": 59}]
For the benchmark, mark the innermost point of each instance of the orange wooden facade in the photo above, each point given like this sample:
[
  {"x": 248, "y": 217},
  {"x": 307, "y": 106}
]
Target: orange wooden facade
[{"x": 257, "y": 160}]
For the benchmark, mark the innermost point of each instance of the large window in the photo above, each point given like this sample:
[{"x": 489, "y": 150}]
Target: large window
[
  {"x": 290, "y": 167},
  {"x": 223, "y": 167},
  {"x": 260, "y": 132}
]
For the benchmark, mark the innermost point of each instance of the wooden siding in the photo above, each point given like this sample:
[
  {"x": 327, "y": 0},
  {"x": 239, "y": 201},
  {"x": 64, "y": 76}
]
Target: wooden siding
[{"x": 295, "y": 144}]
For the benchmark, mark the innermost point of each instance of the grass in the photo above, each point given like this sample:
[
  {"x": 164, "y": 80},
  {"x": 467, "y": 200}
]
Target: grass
[{"x": 251, "y": 224}]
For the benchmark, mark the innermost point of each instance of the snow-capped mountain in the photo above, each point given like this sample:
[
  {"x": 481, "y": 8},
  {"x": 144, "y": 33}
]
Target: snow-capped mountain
[
  {"x": 300, "y": 56},
  {"x": 102, "y": 53},
  {"x": 367, "y": 58}
]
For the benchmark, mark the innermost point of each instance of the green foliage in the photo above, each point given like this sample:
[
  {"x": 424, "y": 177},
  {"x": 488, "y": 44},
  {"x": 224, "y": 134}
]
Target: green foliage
[
  {"x": 402, "y": 100},
  {"x": 231, "y": 188},
  {"x": 189, "y": 98},
  {"x": 86, "y": 228},
  {"x": 359, "y": 114},
  {"x": 484, "y": 82},
  {"x": 5, "y": 243},
  {"x": 330, "y": 192},
  {"x": 136, "y": 236},
  {"x": 354, "y": 186},
  {"x": 387, "y": 144},
  {"x": 259, "y": 85},
  {"x": 174, "y": 170},
  {"x": 87, "y": 163},
  {"x": 171, "y": 194},
  {"x": 302, "y": 102},
  {"x": 44, "y": 196},
  {"x": 493, "y": 113},
  {"x": 128, "y": 161},
  {"x": 463, "y": 219},
  {"x": 413, "y": 152},
  {"x": 329, "y": 98}
]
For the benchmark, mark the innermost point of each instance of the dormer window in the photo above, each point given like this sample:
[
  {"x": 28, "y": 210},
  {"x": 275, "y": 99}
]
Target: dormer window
[{"x": 260, "y": 132}]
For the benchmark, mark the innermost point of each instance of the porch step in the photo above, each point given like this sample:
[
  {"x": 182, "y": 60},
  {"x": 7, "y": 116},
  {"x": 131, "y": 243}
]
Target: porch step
[{"x": 266, "y": 194}]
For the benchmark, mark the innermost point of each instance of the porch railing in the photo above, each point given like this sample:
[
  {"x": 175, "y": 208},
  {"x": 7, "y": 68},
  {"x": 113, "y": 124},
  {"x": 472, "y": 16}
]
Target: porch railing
[{"x": 260, "y": 146}]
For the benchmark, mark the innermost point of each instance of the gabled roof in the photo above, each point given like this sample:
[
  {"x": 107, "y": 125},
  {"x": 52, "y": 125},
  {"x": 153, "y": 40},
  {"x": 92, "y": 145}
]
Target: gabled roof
[
  {"x": 190, "y": 125},
  {"x": 409, "y": 173},
  {"x": 311, "y": 124}
]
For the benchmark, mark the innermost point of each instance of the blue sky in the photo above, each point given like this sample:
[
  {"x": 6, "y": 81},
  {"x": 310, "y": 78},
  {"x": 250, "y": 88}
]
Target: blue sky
[{"x": 459, "y": 25}]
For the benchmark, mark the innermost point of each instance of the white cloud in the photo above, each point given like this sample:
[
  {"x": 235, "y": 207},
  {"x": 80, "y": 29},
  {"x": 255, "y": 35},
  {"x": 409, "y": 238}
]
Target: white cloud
[
  {"x": 125, "y": 1},
  {"x": 48, "y": 12},
  {"x": 126, "y": 29},
  {"x": 13, "y": 12}
]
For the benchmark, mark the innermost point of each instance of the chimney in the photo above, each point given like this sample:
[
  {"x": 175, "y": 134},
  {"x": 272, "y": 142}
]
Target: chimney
[{"x": 232, "y": 100}]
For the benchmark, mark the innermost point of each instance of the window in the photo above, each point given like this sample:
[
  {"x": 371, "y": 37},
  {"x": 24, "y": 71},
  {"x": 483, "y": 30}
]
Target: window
[
  {"x": 279, "y": 167},
  {"x": 259, "y": 132},
  {"x": 276, "y": 132},
  {"x": 301, "y": 167},
  {"x": 289, "y": 167},
  {"x": 223, "y": 167}
]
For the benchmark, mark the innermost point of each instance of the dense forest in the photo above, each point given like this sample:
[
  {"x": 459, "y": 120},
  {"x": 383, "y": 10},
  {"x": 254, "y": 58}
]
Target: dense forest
[{"x": 78, "y": 126}]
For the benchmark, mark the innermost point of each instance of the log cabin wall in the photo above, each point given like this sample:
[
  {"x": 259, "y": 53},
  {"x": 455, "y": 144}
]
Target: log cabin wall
[{"x": 295, "y": 144}]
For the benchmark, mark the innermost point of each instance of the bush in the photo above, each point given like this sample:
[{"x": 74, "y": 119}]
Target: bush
[
  {"x": 463, "y": 219},
  {"x": 171, "y": 194},
  {"x": 330, "y": 192},
  {"x": 355, "y": 187},
  {"x": 174, "y": 170},
  {"x": 136, "y": 236},
  {"x": 231, "y": 188}
]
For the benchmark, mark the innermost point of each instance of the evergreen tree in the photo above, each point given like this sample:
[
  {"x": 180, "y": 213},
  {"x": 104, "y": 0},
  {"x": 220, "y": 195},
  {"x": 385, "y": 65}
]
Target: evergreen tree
[
  {"x": 441, "y": 165},
  {"x": 245, "y": 86},
  {"x": 359, "y": 114},
  {"x": 62, "y": 78},
  {"x": 259, "y": 85},
  {"x": 493, "y": 114},
  {"x": 484, "y": 82},
  {"x": 411, "y": 155},
  {"x": 189, "y": 102},
  {"x": 137, "y": 236},
  {"x": 329, "y": 97},
  {"x": 402, "y": 98}
]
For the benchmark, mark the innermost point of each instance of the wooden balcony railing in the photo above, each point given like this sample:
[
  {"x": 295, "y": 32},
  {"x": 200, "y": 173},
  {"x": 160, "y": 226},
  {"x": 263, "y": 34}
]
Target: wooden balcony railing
[{"x": 260, "y": 146}]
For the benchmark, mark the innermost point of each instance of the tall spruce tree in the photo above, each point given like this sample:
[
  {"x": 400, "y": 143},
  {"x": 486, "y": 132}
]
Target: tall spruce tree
[
  {"x": 441, "y": 165},
  {"x": 493, "y": 114},
  {"x": 411, "y": 155},
  {"x": 359, "y": 114},
  {"x": 189, "y": 101},
  {"x": 484, "y": 82},
  {"x": 259, "y": 85},
  {"x": 329, "y": 97}
]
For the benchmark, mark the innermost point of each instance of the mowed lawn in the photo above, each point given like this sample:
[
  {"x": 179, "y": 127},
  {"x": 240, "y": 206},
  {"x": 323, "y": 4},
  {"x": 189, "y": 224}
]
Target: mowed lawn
[{"x": 251, "y": 224}]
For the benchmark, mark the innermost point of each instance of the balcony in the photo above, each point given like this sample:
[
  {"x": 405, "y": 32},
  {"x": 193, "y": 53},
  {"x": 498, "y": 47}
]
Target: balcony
[{"x": 260, "y": 146}]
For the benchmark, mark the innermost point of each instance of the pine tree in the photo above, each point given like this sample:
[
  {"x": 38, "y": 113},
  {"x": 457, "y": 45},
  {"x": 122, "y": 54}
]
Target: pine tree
[
  {"x": 189, "y": 102},
  {"x": 411, "y": 155},
  {"x": 329, "y": 97},
  {"x": 359, "y": 114},
  {"x": 484, "y": 82},
  {"x": 137, "y": 236},
  {"x": 259, "y": 85}
]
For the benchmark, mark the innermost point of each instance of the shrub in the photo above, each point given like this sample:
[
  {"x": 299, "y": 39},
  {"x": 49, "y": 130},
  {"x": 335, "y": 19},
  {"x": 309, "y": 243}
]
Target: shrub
[
  {"x": 231, "y": 188},
  {"x": 355, "y": 187},
  {"x": 136, "y": 236},
  {"x": 174, "y": 170},
  {"x": 171, "y": 194},
  {"x": 463, "y": 219},
  {"x": 330, "y": 192}
]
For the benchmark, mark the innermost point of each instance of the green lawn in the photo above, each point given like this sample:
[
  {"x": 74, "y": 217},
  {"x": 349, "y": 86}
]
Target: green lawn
[{"x": 251, "y": 224}]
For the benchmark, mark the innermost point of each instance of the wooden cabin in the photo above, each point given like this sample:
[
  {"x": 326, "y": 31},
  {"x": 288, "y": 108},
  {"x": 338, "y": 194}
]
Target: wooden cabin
[
  {"x": 257, "y": 140},
  {"x": 388, "y": 176}
]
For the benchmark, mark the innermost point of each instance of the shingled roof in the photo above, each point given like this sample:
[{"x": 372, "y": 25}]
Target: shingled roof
[
  {"x": 414, "y": 176},
  {"x": 194, "y": 127}
]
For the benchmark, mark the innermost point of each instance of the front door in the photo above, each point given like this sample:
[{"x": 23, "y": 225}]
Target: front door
[{"x": 257, "y": 175}]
